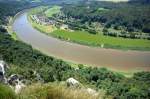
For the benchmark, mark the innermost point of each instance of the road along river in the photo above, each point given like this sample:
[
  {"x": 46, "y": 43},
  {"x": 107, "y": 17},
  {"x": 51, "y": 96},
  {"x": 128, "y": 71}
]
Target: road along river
[{"x": 114, "y": 59}]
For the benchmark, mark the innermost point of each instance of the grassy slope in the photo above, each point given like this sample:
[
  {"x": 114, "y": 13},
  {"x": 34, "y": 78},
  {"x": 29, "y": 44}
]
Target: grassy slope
[
  {"x": 6, "y": 92},
  {"x": 54, "y": 91},
  {"x": 47, "y": 91}
]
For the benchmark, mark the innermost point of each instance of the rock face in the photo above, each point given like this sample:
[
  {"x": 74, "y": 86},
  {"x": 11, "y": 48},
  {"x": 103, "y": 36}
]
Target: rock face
[
  {"x": 3, "y": 67},
  {"x": 71, "y": 82},
  {"x": 14, "y": 81},
  {"x": 19, "y": 86},
  {"x": 38, "y": 77}
]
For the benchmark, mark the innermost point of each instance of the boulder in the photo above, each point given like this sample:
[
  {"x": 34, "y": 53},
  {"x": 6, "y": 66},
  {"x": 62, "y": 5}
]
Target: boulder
[
  {"x": 12, "y": 79},
  {"x": 38, "y": 77},
  {"x": 92, "y": 91},
  {"x": 19, "y": 86},
  {"x": 72, "y": 82}
]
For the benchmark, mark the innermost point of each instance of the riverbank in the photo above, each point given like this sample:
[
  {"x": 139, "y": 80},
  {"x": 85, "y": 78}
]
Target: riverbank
[{"x": 98, "y": 40}]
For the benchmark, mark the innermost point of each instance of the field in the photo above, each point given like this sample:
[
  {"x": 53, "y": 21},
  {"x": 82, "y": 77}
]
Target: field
[{"x": 86, "y": 38}]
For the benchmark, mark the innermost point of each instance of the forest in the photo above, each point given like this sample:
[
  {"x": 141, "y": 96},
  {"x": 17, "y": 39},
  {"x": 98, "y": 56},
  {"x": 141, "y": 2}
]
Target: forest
[{"x": 24, "y": 60}]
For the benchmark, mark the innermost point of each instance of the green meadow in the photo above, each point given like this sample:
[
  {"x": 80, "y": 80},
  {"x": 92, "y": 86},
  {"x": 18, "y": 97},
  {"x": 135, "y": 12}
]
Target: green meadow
[{"x": 84, "y": 37}]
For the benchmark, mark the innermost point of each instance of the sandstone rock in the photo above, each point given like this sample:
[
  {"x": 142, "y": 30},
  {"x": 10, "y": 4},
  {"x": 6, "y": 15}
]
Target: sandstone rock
[
  {"x": 3, "y": 67},
  {"x": 12, "y": 79},
  {"x": 15, "y": 83},
  {"x": 92, "y": 91},
  {"x": 72, "y": 82},
  {"x": 19, "y": 86},
  {"x": 38, "y": 77}
]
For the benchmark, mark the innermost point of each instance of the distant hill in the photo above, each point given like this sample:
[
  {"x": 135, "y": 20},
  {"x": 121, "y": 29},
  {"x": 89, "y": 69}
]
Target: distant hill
[
  {"x": 113, "y": 0},
  {"x": 134, "y": 1},
  {"x": 141, "y": 1}
]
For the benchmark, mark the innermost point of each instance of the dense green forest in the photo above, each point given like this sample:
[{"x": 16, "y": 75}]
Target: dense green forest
[{"x": 24, "y": 60}]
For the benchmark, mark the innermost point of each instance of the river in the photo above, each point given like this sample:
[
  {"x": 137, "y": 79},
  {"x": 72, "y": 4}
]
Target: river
[{"x": 110, "y": 58}]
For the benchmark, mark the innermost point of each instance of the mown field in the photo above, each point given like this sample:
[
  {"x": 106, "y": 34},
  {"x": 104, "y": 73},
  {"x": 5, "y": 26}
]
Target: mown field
[{"x": 85, "y": 37}]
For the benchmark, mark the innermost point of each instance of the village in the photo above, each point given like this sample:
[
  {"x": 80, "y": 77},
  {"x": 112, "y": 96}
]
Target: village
[{"x": 42, "y": 20}]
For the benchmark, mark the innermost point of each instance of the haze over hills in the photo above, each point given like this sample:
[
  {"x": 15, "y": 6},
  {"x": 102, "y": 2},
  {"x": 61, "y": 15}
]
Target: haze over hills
[
  {"x": 74, "y": 1},
  {"x": 114, "y": 0},
  {"x": 141, "y": 1}
]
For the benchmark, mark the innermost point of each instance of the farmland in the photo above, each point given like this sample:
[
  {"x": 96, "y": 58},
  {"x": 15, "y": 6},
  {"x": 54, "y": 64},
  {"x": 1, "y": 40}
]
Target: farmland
[{"x": 96, "y": 40}]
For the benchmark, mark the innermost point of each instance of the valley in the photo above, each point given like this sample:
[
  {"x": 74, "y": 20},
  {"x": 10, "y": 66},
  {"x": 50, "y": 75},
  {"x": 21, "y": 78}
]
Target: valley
[
  {"x": 74, "y": 49},
  {"x": 124, "y": 61}
]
